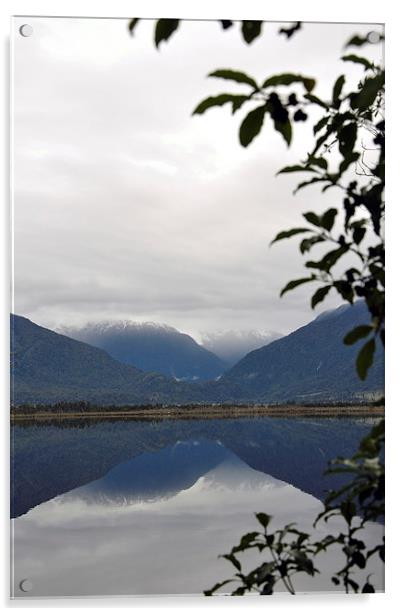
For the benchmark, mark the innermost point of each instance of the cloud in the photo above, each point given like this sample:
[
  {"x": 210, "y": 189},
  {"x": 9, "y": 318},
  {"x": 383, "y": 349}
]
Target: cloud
[{"x": 126, "y": 206}]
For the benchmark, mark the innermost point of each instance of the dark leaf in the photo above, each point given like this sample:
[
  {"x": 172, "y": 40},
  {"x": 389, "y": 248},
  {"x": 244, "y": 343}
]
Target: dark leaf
[
  {"x": 354, "y": 585},
  {"x": 318, "y": 162},
  {"x": 369, "y": 448},
  {"x": 292, "y": 169},
  {"x": 246, "y": 541},
  {"x": 313, "y": 218},
  {"x": 277, "y": 110},
  {"x": 286, "y": 79},
  {"x": 321, "y": 124},
  {"x": 358, "y": 544},
  {"x": 264, "y": 573},
  {"x": 269, "y": 540},
  {"x": 328, "y": 218},
  {"x": 368, "y": 93},
  {"x": 237, "y": 101},
  {"x": 351, "y": 273},
  {"x": 346, "y": 138},
  {"x": 285, "y": 129},
  {"x": 308, "y": 183},
  {"x": 251, "y": 30},
  {"x": 279, "y": 115},
  {"x": 238, "y": 76},
  {"x": 308, "y": 242},
  {"x": 331, "y": 184},
  {"x": 300, "y": 116},
  {"x": 132, "y": 24},
  {"x": 379, "y": 171},
  {"x": 365, "y": 358},
  {"x": 359, "y": 560},
  {"x": 233, "y": 560},
  {"x": 332, "y": 257},
  {"x": 345, "y": 289},
  {"x": 209, "y": 593},
  {"x": 321, "y": 140},
  {"x": 252, "y": 125},
  {"x": 329, "y": 259},
  {"x": 226, "y": 23},
  {"x": 285, "y": 234},
  {"x": 348, "y": 160},
  {"x": 367, "y": 588},
  {"x": 267, "y": 589},
  {"x": 295, "y": 283},
  {"x": 338, "y": 86},
  {"x": 306, "y": 564},
  {"x": 319, "y": 295},
  {"x": 358, "y": 60},
  {"x": 358, "y": 41},
  {"x": 314, "y": 99},
  {"x": 263, "y": 519},
  {"x": 289, "y": 32},
  {"x": 348, "y": 510},
  {"x": 164, "y": 29},
  {"x": 358, "y": 234}
]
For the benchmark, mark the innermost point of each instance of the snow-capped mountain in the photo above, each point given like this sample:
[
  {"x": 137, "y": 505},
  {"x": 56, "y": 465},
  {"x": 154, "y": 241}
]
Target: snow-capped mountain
[{"x": 152, "y": 347}]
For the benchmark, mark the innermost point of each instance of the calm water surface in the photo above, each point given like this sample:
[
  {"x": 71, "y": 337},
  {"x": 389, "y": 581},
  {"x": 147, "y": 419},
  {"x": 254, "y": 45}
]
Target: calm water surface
[{"x": 136, "y": 508}]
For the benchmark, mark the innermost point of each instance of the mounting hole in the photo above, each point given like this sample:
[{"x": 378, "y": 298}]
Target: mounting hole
[
  {"x": 26, "y": 30},
  {"x": 26, "y": 585},
  {"x": 373, "y": 37}
]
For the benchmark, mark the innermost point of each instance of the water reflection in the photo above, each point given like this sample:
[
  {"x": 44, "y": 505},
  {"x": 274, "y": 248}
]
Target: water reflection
[
  {"x": 156, "y": 476},
  {"x": 156, "y": 523},
  {"x": 49, "y": 460}
]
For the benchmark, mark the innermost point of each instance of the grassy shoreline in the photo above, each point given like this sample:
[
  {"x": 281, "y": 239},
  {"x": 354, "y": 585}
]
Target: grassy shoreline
[{"x": 175, "y": 412}]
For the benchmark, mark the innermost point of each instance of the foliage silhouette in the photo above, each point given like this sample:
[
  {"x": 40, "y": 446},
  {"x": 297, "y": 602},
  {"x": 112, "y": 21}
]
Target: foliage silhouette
[
  {"x": 349, "y": 120},
  {"x": 291, "y": 551},
  {"x": 357, "y": 231}
]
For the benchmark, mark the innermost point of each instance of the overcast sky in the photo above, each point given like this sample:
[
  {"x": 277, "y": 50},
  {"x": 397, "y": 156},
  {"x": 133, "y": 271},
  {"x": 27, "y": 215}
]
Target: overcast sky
[{"x": 126, "y": 207}]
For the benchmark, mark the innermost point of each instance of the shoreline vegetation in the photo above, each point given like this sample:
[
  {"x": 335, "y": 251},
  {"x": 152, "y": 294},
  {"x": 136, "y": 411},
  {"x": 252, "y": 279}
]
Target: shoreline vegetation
[{"x": 65, "y": 411}]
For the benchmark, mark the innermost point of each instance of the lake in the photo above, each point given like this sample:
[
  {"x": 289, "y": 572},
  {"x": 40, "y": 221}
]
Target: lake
[{"x": 145, "y": 507}]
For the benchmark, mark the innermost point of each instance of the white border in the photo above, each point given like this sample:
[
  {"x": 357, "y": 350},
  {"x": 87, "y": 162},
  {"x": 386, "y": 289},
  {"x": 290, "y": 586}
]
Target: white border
[{"x": 285, "y": 10}]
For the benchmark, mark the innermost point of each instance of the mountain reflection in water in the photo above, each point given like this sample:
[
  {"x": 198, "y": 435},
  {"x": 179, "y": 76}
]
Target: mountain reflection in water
[
  {"x": 156, "y": 525},
  {"x": 51, "y": 459}
]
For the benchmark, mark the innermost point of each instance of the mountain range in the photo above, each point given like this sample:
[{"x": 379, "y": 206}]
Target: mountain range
[
  {"x": 309, "y": 365},
  {"x": 47, "y": 367},
  {"x": 152, "y": 347}
]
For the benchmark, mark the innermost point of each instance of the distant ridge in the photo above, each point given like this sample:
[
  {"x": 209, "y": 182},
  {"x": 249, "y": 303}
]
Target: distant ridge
[
  {"x": 311, "y": 364},
  {"x": 152, "y": 347},
  {"x": 49, "y": 367}
]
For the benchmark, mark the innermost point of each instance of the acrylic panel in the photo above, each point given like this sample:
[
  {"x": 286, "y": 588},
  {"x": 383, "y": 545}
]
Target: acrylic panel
[{"x": 167, "y": 381}]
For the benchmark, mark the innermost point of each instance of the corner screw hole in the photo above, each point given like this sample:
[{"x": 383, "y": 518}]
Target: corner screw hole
[
  {"x": 373, "y": 37},
  {"x": 26, "y": 30},
  {"x": 26, "y": 585}
]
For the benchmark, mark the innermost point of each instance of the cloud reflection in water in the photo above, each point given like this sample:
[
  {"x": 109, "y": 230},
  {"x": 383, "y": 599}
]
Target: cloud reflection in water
[{"x": 156, "y": 524}]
